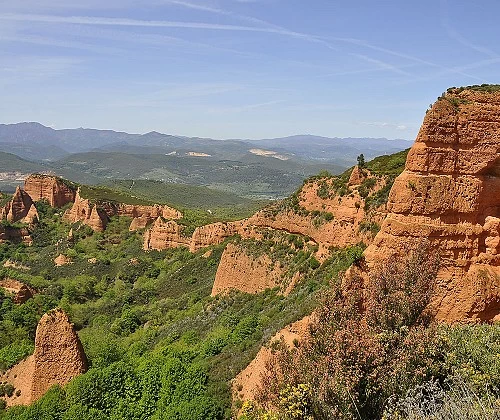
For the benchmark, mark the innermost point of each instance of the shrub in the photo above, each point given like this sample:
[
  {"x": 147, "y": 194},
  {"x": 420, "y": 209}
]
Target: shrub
[
  {"x": 364, "y": 345},
  {"x": 9, "y": 390}
]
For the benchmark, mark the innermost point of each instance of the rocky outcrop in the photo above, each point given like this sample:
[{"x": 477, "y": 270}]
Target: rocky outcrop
[
  {"x": 15, "y": 235},
  {"x": 32, "y": 217},
  {"x": 56, "y": 191},
  {"x": 97, "y": 215},
  {"x": 357, "y": 176},
  {"x": 164, "y": 234},
  {"x": 449, "y": 193},
  {"x": 142, "y": 216},
  {"x": 57, "y": 359},
  {"x": 168, "y": 234},
  {"x": 247, "y": 273},
  {"x": 18, "y": 207},
  {"x": 20, "y": 292},
  {"x": 332, "y": 221},
  {"x": 87, "y": 213},
  {"x": 58, "y": 356},
  {"x": 62, "y": 260},
  {"x": 216, "y": 233}
]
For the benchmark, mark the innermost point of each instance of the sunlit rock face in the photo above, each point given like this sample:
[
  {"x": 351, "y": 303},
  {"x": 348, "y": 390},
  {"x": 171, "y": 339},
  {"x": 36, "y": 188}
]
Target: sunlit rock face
[{"x": 449, "y": 193}]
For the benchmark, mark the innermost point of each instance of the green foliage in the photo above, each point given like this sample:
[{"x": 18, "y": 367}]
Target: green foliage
[
  {"x": 363, "y": 357},
  {"x": 485, "y": 87},
  {"x": 369, "y": 226},
  {"x": 388, "y": 164},
  {"x": 474, "y": 354},
  {"x": 380, "y": 197},
  {"x": 6, "y": 389},
  {"x": 366, "y": 186},
  {"x": 361, "y": 160},
  {"x": 14, "y": 352}
]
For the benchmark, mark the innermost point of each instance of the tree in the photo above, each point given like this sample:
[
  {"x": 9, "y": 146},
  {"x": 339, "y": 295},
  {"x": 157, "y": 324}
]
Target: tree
[{"x": 361, "y": 160}]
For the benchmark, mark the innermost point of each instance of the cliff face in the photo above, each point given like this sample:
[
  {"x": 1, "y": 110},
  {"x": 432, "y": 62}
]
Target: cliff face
[
  {"x": 59, "y": 355},
  {"x": 83, "y": 211},
  {"x": 142, "y": 216},
  {"x": 215, "y": 234},
  {"x": 450, "y": 194},
  {"x": 328, "y": 217},
  {"x": 57, "y": 359},
  {"x": 168, "y": 234},
  {"x": 249, "y": 274},
  {"x": 97, "y": 215},
  {"x": 50, "y": 188},
  {"x": 18, "y": 207},
  {"x": 164, "y": 234},
  {"x": 327, "y": 212}
]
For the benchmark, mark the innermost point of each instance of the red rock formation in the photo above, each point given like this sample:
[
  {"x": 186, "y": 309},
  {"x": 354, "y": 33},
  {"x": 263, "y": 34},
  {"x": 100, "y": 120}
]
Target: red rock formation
[
  {"x": 164, "y": 234},
  {"x": 32, "y": 217},
  {"x": 450, "y": 194},
  {"x": 56, "y": 191},
  {"x": 358, "y": 175},
  {"x": 16, "y": 235},
  {"x": 20, "y": 291},
  {"x": 97, "y": 215},
  {"x": 83, "y": 211},
  {"x": 97, "y": 219},
  {"x": 61, "y": 260},
  {"x": 80, "y": 211},
  {"x": 249, "y": 274},
  {"x": 215, "y": 234},
  {"x": 59, "y": 355},
  {"x": 142, "y": 216},
  {"x": 342, "y": 230},
  {"x": 57, "y": 359},
  {"x": 17, "y": 208}
]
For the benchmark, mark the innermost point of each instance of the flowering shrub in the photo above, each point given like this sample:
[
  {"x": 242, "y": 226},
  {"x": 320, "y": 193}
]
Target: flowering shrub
[{"x": 364, "y": 346}]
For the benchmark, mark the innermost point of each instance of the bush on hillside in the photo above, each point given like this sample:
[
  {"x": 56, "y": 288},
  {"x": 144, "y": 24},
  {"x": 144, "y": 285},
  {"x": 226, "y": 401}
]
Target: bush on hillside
[{"x": 365, "y": 346}]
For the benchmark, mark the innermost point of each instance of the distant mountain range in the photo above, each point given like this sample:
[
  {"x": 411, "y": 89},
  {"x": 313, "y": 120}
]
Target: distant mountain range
[{"x": 267, "y": 167}]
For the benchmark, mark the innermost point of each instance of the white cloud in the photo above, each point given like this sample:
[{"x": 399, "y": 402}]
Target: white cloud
[{"x": 383, "y": 124}]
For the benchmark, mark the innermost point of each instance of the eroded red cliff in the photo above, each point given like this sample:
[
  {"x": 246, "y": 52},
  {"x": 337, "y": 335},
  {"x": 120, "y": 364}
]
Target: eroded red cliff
[
  {"x": 58, "y": 358},
  {"x": 56, "y": 191},
  {"x": 449, "y": 193}
]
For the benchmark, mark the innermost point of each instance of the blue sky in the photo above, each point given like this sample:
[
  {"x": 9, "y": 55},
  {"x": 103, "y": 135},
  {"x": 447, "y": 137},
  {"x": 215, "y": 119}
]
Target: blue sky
[{"x": 241, "y": 68}]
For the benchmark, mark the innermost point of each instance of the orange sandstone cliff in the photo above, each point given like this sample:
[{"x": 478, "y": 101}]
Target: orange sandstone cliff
[
  {"x": 87, "y": 213},
  {"x": 327, "y": 212},
  {"x": 96, "y": 215},
  {"x": 244, "y": 272},
  {"x": 19, "y": 207},
  {"x": 164, "y": 234},
  {"x": 57, "y": 359},
  {"x": 56, "y": 191},
  {"x": 449, "y": 193}
]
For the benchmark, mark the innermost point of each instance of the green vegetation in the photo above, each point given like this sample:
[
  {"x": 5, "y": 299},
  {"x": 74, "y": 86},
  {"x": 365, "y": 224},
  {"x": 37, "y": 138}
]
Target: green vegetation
[
  {"x": 179, "y": 195},
  {"x": 478, "y": 88},
  {"x": 100, "y": 193},
  {"x": 388, "y": 164},
  {"x": 159, "y": 346},
  {"x": 389, "y": 361},
  {"x": 361, "y": 160}
]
